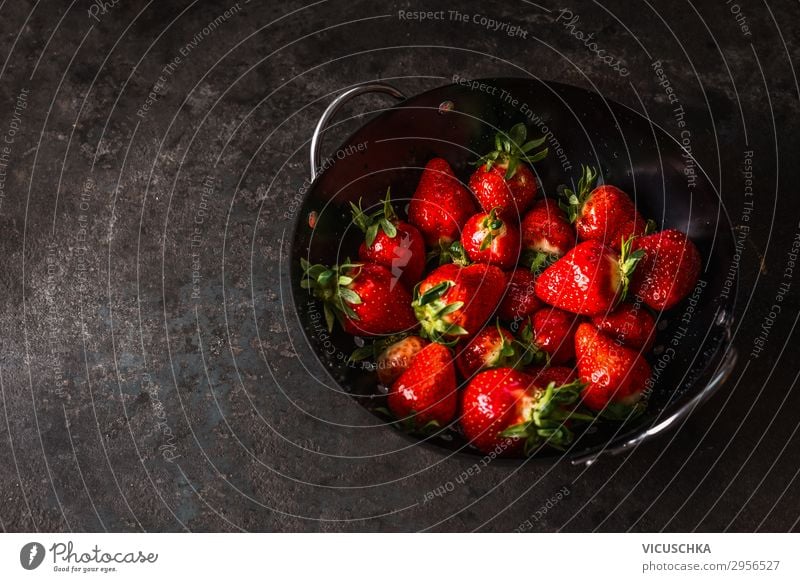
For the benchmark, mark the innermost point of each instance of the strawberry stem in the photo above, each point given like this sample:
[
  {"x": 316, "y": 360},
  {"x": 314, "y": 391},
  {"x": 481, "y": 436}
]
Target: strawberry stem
[
  {"x": 331, "y": 285},
  {"x": 432, "y": 310},
  {"x": 573, "y": 200},
  {"x": 627, "y": 265},
  {"x": 383, "y": 219},
  {"x": 511, "y": 148}
]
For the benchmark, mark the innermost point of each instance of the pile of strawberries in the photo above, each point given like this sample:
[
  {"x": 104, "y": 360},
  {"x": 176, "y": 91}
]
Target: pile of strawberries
[{"x": 513, "y": 320}]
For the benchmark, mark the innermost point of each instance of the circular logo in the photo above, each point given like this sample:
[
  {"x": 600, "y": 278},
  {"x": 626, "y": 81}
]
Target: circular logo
[{"x": 31, "y": 555}]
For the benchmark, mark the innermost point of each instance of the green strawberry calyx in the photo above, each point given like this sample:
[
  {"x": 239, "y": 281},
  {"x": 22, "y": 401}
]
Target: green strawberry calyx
[
  {"x": 449, "y": 252},
  {"x": 532, "y": 353},
  {"x": 432, "y": 311},
  {"x": 547, "y": 418},
  {"x": 628, "y": 259},
  {"x": 331, "y": 285},
  {"x": 572, "y": 201},
  {"x": 493, "y": 227},
  {"x": 383, "y": 219},
  {"x": 511, "y": 148}
]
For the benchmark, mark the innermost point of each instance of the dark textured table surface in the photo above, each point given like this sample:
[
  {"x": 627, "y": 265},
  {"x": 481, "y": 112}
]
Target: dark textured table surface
[{"x": 152, "y": 374}]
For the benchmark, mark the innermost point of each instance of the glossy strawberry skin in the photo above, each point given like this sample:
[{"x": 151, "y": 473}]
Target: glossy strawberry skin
[
  {"x": 397, "y": 358},
  {"x": 613, "y": 374},
  {"x": 520, "y": 299},
  {"x": 585, "y": 281},
  {"x": 385, "y": 306},
  {"x": 440, "y": 205},
  {"x": 403, "y": 254},
  {"x": 556, "y": 374},
  {"x": 492, "y": 402},
  {"x": 545, "y": 229},
  {"x": 605, "y": 214},
  {"x": 630, "y": 325},
  {"x": 479, "y": 287},
  {"x": 484, "y": 350},
  {"x": 669, "y": 270},
  {"x": 512, "y": 197},
  {"x": 554, "y": 333},
  {"x": 427, "y": 390},
  {"x": 502, "y": 251}
]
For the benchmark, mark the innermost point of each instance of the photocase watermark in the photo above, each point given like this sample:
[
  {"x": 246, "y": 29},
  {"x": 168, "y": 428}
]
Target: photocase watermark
[
  {"x": 295, "y": 201},
  {"x": 467, "y": 474},
  {"x": 487, "y": 22},
  {"x": 168, "y": 448},
  {"x": 31, "y": 555},
  {"x": 569, "y": 20},
  {"x": 554, "y": 145},
  {"x": 743, "y": 228},
  {"x": 168, "y": 70},
  {"x": 551, "y": 502},
  {"x": 100, "y": 8},
  {"x": 7, "y": 145}
]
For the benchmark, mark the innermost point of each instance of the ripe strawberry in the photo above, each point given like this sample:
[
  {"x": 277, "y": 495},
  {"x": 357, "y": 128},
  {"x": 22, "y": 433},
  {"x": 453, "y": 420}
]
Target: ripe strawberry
[
  {"x": 362, "y": 297},
  {"x": 546, "y": 234},
  {"x": 629, "y": 325},
  {"x": 397, "y": 357},
  {"x": 669, "y": 270},
  {"x": 501, "y": 180},
  {"x": 520, "y": 299},
  {"x": 590, "y": 279},
  {"x": 487, "y": 239},
  {"x": 615, "y": 376},
  {"x": 504, "y": 411},
  {"x": 441, "y": 204},
  {"x": 454, "y": 301},
  {"x": 553, "y": 332},
  {"x": 426, "y": 392},
  {"x": 542, "y": 376},
  {"x": 604, "y": 213},
  {"x": 390, "y": 242},
  {"x": 492, "y": 347}
]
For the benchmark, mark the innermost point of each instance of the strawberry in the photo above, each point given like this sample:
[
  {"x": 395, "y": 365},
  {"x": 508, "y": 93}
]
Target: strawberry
[
  {"x": 390, "y": 242},
  {"x": 492, "y": 347},
  {"x": 396, "y": 358},
  {"x": 603, "y": 213},
  {"x": 615, "y": 376},
  {"x": 590, "y": 279},
  {"x": 504, "y": 411},
  {"x": 362, "y": 297},
  {"x": 426, "y": 392},
  {"x": 669, "y": 270},
  {"x": 546, "y": 234},
  {"x": 455, "y": 301},
  {"x": 544, "y": 375},
  {"x": 487, "y": 239},
  {"x": 520, "y": 299},
  {"x": 440, "y": 205},
  {"x": 552, "y": 331},
  {"x": 630, "y": 325},
  {"x": 502, "y": 181}
]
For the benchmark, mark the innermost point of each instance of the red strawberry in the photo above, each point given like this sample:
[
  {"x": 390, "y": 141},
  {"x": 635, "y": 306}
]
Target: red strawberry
[
  {"x": 520, "y": 299},
  {"x": 501, "y": 180},
  {"x": 426, "y": 392},
  {"x": 546, "y": 234},
  {"x": 553, "y": 332},
  {"x": 363, "y": 297},
  {"x": 505, "y": 412},
  {"x": 630, "y": 325},
  {"x": 604, "y": 213},
  {"x": 669, "y": 270},
  {"x": 454, "y": 301},
  {"x": 589, "y": 280},
  {"x": 615, "y": 376},
  {"x": 542, "y": 376},
  {"x": 397, "y": 357},
  {"x": 390, "y": 242},
  {"x": 441, "y": 204},
  {"x": 487, "y": 239},
  {"x": 492, "y": 347}
]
